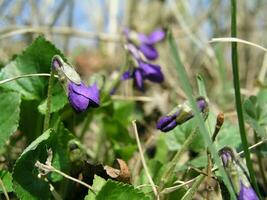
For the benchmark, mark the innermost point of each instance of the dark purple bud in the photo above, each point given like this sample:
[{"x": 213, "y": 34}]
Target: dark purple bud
[
  {"x": 247, "y": 193},
  {"x": 202, "y": 104},
  {"x": 167, "y": 123},
  {"x": 151, "y": 72},
  {"x": 149, "y": 51},
  {"x": 182, "y": 113},
  {"x": 154, "y": 37},
  {"x": 57, "y": 62},
  {"x": 126, "y": 75},
  {"x": 81, "y": 97},
  {"x": 227, "y": 156}
]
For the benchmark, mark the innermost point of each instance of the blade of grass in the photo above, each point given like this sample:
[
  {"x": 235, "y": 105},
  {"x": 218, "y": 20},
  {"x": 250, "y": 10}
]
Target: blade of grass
[
  {"x": 200, "y": 121},
  {"x": 238, "y": 98}
]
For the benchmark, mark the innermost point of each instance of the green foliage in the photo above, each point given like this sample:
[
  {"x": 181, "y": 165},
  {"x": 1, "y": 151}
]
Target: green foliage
[
  {"x": 35, "y": 59},
  {"x": 26, "y": 183},
  {"x": 58, "y": 100},
  {"x": 255, "y": 114},
  {"x": 113, "y": 190},
  {"x": 97, "y": 185},
  {"x": 6, "y": 178},
  {"x": 9, "y": 119}
]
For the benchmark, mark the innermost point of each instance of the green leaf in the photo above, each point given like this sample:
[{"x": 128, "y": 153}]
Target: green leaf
[
  {"x": 255, "y": 115},
  {"x": 97, "y": 185},
  {"x": 35, "y": 59},
  {"x": 60, "y": 148},
  {"x": 9, "y": 119},
  {"x": 115, "y": 130},
  {"x": 123, "y": 110},
  {"x": 6, "y": 177},
  {"x": 26, "y": 184},
  {"x": 58, "y": 100},
  {"x": 113, "y": 190}
]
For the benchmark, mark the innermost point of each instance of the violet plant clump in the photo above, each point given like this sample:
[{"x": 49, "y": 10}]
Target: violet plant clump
[{"x": 80, "y": 96}]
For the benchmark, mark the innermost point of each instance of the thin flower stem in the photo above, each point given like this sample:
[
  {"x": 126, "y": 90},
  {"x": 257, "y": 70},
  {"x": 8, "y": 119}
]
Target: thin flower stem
[
  {"x": 24, "y": 76},
  {"x": 238, "y": 101},
  {"x": 169, "y": 171},
  {"x": 49, "y": 168},
  {"x": 48, "y": 103},
  {"x": 4, "y": 189},
  {"x": 143, "y": 161}
]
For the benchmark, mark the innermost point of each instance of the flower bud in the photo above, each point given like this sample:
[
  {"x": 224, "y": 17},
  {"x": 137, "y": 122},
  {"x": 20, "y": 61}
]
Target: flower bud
[
  {"x": 238, "y": 175},
  {"x": 180, "y": 114}
]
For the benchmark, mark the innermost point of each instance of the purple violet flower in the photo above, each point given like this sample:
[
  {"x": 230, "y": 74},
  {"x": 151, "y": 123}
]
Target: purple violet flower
[
  {"x": 179, "y": 115},
  {"x": 82, "y": 97},
  {"x": 154, "y": 37},
  {"x": 145, "y": 43},
  {"x": 247, "y": 193},
  {"x": 142, "y": 72}
]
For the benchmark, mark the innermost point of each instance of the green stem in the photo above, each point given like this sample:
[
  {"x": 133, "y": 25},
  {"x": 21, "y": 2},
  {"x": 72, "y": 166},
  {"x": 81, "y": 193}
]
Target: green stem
[
  {"x": 190, "y": 193},
  {"x": 238, "y": 97},
  {"x": 23, "y": 76},
  {"x": 48, "y": 103},
  {"x": 169, "y": 171}
]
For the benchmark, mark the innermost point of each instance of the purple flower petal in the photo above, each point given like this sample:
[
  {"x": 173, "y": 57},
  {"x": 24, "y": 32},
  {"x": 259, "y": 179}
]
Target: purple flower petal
[
  {"x": 202, "y": 104},
  {"x": 152, "y": 38},
  {"x": 167, "y": 123},
  {"x": 151, "y": 72},
  {"x": 76, "y": 98},
  {"x": 94, "y": 95},
  {"x": 247, "y": 193},
  {"x": 149, "y": 51},
  {"x": 81, "y": 96},
  {"x": 138, "y": 79}
]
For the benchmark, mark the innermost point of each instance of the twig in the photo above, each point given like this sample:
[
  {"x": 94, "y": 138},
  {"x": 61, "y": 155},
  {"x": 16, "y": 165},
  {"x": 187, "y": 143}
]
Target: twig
[
  {"x": 24, "y": 76},
  {"x": 131, "y": 98},
  {"x": 233, "y": 39},
  {"x": 49, "y": 168},
  {"x": 4, "y": 189},
  {"x": 253, "y": 146},
  {"x": 143, "y": 160},
  {"x": 61, "y": 30},
  {"x": 176, "y": 187}
]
